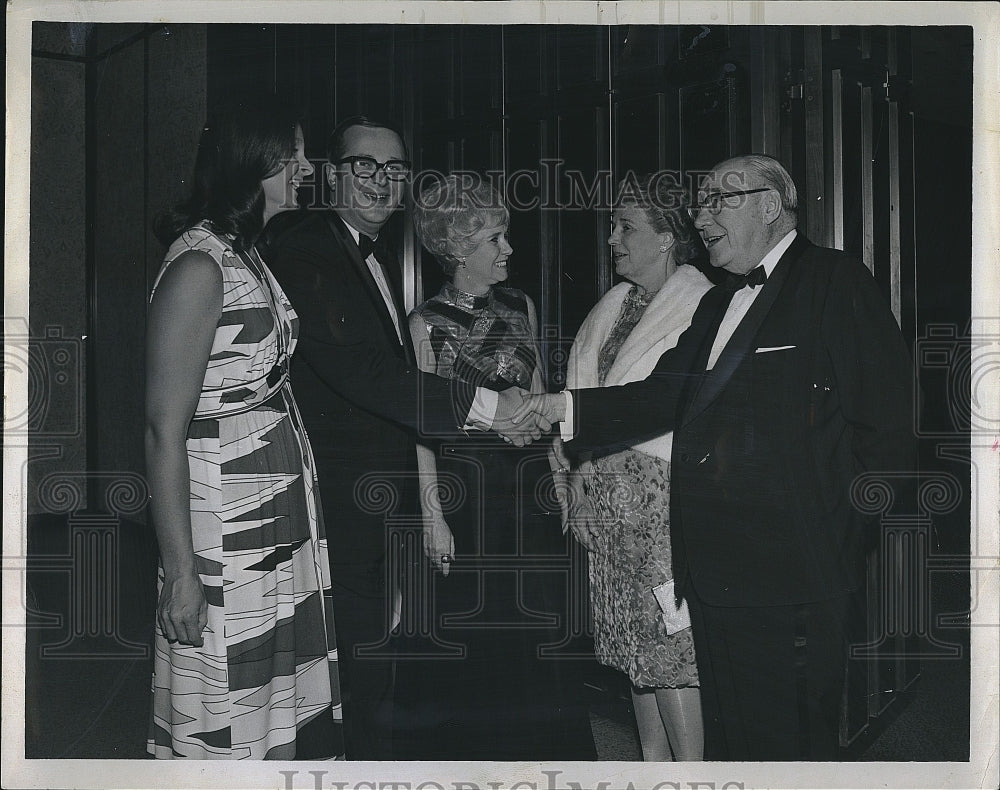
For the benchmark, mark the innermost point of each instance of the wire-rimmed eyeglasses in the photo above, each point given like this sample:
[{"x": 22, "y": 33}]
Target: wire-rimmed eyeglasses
[
  {"x": 716, "y": 201},
  {"x": 367, "y": 167}
]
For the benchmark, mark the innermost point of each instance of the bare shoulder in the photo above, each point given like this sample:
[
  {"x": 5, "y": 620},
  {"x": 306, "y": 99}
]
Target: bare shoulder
[{"x": 193, "y": 276}]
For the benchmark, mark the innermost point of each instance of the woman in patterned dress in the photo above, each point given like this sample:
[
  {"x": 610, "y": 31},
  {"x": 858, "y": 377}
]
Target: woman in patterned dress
[
  {"x": 619, "y": 505},
  {"x": 499, "y": 699},
  {"x": 244, "y": 654}
]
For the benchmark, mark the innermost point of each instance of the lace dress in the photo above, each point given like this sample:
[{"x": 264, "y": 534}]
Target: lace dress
[{"x": 630, "y": 493}]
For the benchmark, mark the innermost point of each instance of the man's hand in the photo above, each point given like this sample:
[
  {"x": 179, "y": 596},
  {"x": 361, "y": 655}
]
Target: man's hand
[
  {"x": 516, "y": 421},
  {"x": 548, "y": 407}
]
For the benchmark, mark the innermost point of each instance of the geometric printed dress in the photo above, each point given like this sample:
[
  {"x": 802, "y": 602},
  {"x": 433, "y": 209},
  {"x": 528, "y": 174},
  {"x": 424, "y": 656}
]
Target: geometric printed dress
[{"x": 265, "y": 683}]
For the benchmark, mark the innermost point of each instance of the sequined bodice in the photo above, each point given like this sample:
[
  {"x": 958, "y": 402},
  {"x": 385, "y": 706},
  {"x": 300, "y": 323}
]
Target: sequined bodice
[
  {"x": 486, "y": 340},
  {"x": 635, "y": 304}
]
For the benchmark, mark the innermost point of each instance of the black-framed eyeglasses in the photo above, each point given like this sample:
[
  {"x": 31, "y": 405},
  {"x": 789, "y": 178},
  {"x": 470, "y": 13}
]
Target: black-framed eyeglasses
[
  {"x": 715, "y": 202},
  {"x": 367, "y": 167}
]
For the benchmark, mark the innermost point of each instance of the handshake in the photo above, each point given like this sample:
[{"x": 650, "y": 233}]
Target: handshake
[{"x": 521, "y": 417}]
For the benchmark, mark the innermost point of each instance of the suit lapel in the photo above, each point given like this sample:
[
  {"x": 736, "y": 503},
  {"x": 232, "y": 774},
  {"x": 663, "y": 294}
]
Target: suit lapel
[
  {"x": 742, "y": 341},
  {"x": 349, "y": 250}
]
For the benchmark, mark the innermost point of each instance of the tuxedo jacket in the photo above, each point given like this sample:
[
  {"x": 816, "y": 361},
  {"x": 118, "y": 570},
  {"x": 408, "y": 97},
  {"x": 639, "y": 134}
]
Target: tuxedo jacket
[
  {"x": 814, "y": 389},
  {"x": 358, "y": 389}
]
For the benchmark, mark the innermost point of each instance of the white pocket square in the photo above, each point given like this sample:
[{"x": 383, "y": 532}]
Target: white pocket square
[{"x": 765, "y": 349}]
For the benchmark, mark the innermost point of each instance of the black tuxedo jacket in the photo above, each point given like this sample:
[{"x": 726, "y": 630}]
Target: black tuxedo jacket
[
  {"x": 359, "y": 391},
  {"x": 814, "y": 388}
]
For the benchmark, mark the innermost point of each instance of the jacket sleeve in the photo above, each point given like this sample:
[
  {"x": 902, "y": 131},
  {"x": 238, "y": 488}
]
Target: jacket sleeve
[
  {"x": 344, "y": 358},
  {"x": 873, "y": 371}
]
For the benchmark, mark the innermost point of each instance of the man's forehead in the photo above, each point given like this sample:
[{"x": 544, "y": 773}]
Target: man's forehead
[
  {"x": 725, "y": 180},
  {"x": 363, "y": 139}
]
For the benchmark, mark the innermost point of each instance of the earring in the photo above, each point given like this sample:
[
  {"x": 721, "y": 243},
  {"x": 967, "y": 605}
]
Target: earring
[
  {"x": 663, "y": 248},
  {"x": 462, "y": 264}
]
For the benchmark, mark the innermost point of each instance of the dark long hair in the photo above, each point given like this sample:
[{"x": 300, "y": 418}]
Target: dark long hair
[{"x": 240, "y": 146}]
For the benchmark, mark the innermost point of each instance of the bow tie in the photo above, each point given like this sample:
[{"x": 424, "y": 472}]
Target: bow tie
[
  {"x": 753, "y": 278},
  {"x": 366, "y": 245}
]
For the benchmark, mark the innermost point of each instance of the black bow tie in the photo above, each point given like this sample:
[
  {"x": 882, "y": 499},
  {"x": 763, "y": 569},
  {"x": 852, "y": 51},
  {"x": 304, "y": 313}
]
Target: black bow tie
[
  {"x": 366, "y": 245},
  {"x": 753, "y": 278}
]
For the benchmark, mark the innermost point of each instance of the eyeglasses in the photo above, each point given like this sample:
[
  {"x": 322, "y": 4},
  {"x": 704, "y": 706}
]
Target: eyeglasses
[
  {"x": 715, "y": 202},
  {"x": 367, "y": 167}
]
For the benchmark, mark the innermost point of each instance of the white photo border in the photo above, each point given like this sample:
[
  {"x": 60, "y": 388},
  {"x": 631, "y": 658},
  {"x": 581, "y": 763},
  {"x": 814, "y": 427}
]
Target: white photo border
[{"x": 982, "y": 768}]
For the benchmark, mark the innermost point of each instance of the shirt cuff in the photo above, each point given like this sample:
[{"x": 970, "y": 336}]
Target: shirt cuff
[
  {"x": 567, "y": 428},
  {"x": 484, "y": 409}
]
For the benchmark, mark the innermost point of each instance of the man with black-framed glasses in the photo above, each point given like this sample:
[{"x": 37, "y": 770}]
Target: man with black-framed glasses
[{"x": 362, "y": 399}]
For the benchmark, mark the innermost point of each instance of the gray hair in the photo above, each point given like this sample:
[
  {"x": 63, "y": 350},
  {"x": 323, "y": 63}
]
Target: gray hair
[
  {"x": 772, "y": 174},
  {"x": 448, "y": 214}
]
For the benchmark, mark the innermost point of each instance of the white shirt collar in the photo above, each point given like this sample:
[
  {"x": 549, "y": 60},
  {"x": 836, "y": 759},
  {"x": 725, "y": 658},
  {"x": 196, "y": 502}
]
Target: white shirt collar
[
  {"x": 354, "y": 231},
  {"x": 774, "y": 255}
]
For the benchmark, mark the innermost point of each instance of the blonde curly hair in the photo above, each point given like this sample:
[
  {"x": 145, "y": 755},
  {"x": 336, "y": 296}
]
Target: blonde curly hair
[{"x": 448, "y": 214}]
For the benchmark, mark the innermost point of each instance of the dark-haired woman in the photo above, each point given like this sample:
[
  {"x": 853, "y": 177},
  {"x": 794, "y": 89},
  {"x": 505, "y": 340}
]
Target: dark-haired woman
[
  {"x": 620, "y": 508},
  {"x": 245, "y": 660}
]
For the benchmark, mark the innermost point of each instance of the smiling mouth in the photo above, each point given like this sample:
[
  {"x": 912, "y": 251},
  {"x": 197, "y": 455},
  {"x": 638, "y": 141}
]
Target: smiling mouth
[
  {"x": 618, "y": 256},
  {"x": 502, "y": 264},
  {"x": 376, "y": 197},
  {"x": 710, "y": 241}
]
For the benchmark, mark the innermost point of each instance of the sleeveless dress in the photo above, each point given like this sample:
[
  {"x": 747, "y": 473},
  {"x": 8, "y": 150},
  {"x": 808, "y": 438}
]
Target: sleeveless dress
[
  {"x": 630, "y": 494},
  {"x": 265, "y": 683},
  {"x": 505, "y": 595}
]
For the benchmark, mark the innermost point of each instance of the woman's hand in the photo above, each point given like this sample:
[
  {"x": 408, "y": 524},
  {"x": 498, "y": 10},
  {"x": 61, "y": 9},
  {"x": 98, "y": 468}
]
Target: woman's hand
[
  {"x": 438, "y": 542},
  {"x": 183, "y": 610},
  {"x": 583, "y": 523}
]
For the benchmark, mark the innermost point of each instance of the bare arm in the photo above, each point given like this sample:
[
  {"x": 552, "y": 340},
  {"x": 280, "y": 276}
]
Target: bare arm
[
  {"x": 182, "y": 320},
  {"x": 438, "y": 537}
]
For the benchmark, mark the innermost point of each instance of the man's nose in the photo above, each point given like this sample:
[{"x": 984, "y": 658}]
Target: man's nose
[
  {"x": 700, "y": 217},
  {"x": 305, "y": 167},
  {"x": 381, "y": 177}
]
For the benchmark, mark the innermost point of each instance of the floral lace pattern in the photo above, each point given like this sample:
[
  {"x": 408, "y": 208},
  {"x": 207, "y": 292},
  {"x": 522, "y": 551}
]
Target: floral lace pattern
[{"x": 630, "y": 494}]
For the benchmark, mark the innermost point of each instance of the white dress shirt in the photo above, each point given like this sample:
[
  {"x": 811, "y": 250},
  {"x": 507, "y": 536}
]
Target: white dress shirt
[
  {"x": 742, "y": 299},
  {"x": 383, "y": 284}
]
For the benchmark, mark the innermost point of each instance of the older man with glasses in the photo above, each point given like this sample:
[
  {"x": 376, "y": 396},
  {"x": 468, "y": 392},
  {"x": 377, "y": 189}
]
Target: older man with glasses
[{"x": 792, "y": 382}]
